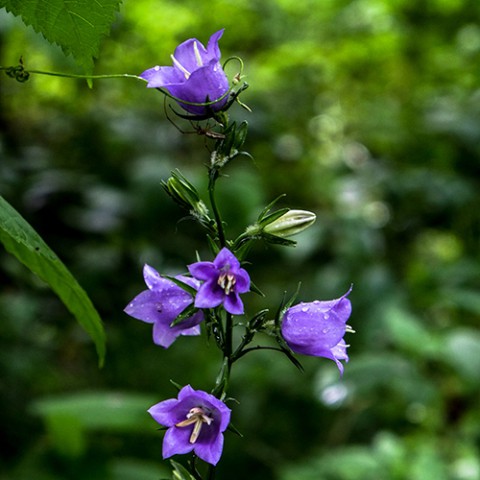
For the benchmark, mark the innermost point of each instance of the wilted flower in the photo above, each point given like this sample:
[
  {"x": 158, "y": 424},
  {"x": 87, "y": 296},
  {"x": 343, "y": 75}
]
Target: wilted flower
[
  {"x": 196, "y": 76},
  {"x": 224, "y": 280},
  {"x": 196, "y": 422},
  {"x": 161, "y": 304},
  {"x": 317, "y": 328}
]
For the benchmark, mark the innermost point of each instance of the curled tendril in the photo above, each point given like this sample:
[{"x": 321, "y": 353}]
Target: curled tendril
[{"x": 18, "y": 73}]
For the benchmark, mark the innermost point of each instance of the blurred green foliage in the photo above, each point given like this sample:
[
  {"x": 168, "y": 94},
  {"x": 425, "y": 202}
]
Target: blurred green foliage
[{"x": 366, "y": 112}]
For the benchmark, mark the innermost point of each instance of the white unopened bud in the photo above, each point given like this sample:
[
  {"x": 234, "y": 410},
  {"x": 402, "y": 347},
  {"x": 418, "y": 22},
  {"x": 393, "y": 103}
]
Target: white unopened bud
[{"x": 290, "y": 223}]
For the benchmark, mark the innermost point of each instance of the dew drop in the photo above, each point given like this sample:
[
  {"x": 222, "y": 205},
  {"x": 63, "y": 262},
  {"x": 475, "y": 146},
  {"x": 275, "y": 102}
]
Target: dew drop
[
  {"x": 305, "y": 309},
  {"x": 157, "y": 68}
]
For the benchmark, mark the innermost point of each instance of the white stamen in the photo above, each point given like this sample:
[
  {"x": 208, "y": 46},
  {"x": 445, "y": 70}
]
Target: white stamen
[
  {"x": 226, "y": 281},
  {"x": 181, "y": 67},
  {"x": 198, "y": 58},
  {"x": 196, "y": 417}
]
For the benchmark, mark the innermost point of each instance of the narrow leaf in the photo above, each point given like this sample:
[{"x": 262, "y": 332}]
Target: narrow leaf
[{"x": 22, "y": 241}]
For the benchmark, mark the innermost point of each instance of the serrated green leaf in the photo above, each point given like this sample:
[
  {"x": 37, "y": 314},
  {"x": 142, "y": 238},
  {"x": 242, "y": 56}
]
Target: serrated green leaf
[
  {"x": 22, "y": 241},
  {"x": 77, "y": 26}
]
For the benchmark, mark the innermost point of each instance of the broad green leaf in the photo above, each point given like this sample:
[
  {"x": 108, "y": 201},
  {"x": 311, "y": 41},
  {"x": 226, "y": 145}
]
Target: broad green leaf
[
  {"x": 21, "y": 240},
  {"x": 105, "y": 411},
  {"x": 77, "y": 26},
  {"x": 68, "y": 418}
]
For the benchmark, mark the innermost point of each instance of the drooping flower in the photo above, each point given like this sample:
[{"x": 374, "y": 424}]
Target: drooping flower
[
  {"x": 196, "y": 421},
  {"x": 161, "y": 304},
  {"x": 317, "y": 328},
  {"x": 196, "y": 76},
  {"x": 224, "y": 280}
]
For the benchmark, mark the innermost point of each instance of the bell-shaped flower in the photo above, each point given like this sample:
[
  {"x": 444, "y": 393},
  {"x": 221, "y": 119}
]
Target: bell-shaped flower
[
  {"x": 317, "y": 328},
  {"x": 196, "y": 76},
  {"x": 196, "y": 421},
  {"x": 224, "y": 280},
  {"x": 161, "y": 304}
]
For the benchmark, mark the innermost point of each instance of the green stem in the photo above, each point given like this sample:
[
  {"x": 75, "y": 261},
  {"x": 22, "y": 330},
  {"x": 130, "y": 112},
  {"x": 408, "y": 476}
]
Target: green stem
[
  {"x": 251, "y": 349},
  {"x": 211, "y": 472},
  {"x": 73, "y": 75},
  {"x": 213, "y": 175},
  {"x": 229, "y": 336}
]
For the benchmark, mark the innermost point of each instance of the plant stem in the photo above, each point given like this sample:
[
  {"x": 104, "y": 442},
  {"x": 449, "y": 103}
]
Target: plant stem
[
  {"x": 211, "y": 472},
  {"x": 212, "y": 178},
  {"x": 73, "y": 75}
]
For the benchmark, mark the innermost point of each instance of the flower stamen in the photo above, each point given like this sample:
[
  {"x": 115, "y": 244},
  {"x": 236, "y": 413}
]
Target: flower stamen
[
  {"x": 198, "y": 58},
  {"x": 180, "y": 67},
  {"x": 196, "y": 417},
  {"x": 226, "y": 281}
]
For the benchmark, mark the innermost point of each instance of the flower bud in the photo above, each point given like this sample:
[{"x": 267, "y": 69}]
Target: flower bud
[
  {"x": 290, "y": 223},
  {"x": 185, "y": 194}
]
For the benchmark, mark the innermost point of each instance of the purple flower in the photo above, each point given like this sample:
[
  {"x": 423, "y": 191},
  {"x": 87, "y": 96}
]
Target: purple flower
[
  {"x": 196, "y": 421},
  {"x": 161, "y": 304},
  {"x": 317, "y": 328},
  {"x": 196, "y": 76},
  {"x": 224, "y": 280}
]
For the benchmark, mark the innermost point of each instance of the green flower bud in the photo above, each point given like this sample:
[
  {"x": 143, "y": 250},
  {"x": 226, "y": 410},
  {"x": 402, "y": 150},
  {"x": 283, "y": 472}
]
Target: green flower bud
[
  {"x": 185, "y": 194},
  {"x": 290, "y": 223}
]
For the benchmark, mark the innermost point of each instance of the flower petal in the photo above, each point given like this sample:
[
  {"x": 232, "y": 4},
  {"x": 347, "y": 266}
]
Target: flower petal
[
  {"x": 225, "y": 258},
  {"x": 306, "y": 327},
  {"x": 212, "y": 47},
  {"x": 162, "y": 412},
  {"x": 144, "y": 307},
  {"x": 164, "y": 335},
  {"x": 162, "y": 77},
  {"x": 233, "y": 304},
  {"x": 203, "y": 270},
  {"x": 210, "y": 452},
  {"x": 242, "y": 284},
  {"x": 191, "y": 54},
  {"x": 176, "y": 441},
  {"x": 153, "y": 279},
  {"x": 209, "y": 295},
  {"x": 207, "y": 84}
]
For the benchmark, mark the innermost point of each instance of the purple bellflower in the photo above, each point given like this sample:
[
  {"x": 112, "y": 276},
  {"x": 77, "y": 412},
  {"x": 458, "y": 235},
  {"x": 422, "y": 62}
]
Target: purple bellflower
[
  {"x": 317, "y": 328},
  {"x": 161, "y": 304},
  {"x": 196, "y": 421},
  {"x": 196, "y": 76},
  {"x": 224, "y": 280}
]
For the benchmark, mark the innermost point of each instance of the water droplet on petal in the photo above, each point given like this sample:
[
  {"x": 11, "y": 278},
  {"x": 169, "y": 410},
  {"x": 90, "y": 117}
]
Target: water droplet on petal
[{"x": 305, "y": 309}]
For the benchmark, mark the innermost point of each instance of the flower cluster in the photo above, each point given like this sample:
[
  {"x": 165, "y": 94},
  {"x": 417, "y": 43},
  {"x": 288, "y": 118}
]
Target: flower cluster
[{"x": 210, "y": 293}]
